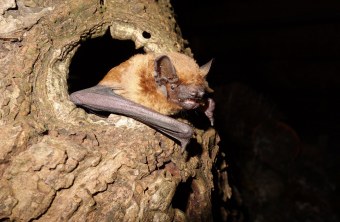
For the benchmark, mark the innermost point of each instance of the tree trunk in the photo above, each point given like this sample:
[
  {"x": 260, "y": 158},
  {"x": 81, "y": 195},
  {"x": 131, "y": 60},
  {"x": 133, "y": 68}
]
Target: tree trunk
[{"x": 59, "y": 163}]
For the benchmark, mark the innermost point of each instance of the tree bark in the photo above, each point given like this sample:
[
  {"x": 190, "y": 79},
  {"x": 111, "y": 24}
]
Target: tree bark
[{"x": 59, "y": 163}]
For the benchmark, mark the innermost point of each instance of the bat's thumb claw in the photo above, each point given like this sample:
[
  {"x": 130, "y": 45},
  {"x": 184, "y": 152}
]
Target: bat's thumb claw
[
  {"x": 184, "y": 144},
  {"x": 209, "y": 112}
]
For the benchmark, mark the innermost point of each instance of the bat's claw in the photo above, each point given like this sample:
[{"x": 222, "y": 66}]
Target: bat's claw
[
  {"x": 186, "y": 136},
  {"x": 184, "y": 145}
]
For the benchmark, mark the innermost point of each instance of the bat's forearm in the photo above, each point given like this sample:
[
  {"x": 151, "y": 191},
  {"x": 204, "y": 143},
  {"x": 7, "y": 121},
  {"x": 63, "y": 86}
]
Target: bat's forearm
[{"x": 102, "y": 98}]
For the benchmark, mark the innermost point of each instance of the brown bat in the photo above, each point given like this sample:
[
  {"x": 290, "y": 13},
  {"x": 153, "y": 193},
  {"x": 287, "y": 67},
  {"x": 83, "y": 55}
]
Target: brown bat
[{"x": 150, "y": 87}]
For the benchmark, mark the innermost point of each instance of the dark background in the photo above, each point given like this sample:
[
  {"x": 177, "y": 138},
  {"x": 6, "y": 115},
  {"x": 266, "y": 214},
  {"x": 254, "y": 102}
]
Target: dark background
[
  {"x": 276, "y": 75},
  {"x": 288, "y": 50}
]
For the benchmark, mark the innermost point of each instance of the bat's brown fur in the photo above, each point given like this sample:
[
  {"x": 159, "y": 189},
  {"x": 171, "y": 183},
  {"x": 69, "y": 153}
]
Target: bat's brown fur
[{"x": 134, "y": 80}]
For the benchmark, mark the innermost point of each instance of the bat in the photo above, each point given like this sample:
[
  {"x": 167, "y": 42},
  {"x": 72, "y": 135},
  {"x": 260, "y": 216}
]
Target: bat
[{"x": 150, "y": 88}]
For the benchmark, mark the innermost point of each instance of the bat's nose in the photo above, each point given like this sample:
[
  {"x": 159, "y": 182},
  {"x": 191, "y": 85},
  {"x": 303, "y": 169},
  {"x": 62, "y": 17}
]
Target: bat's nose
[
  {"x": 197, "y": 94},
  {"x": 193, "y": 93}
]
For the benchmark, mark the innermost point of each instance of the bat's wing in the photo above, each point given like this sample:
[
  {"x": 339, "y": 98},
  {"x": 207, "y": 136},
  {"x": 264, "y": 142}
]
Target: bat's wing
[{"x": 102, "y": 98}]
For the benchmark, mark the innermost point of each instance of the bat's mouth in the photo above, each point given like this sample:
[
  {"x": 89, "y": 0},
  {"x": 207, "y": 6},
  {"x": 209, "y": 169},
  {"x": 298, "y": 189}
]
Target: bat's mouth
[{"x": 189, "y": 103}]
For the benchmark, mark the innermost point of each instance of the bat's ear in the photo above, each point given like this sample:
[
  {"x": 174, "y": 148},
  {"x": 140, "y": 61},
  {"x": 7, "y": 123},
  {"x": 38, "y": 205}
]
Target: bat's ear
[
  {"x": 165, "y": 71},
  {"x": 205, "y": 68}
]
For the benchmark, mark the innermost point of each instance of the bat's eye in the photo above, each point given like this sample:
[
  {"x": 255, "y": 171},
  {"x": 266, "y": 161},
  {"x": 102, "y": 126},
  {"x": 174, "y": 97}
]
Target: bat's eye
[{"x": 173, "y": 86}]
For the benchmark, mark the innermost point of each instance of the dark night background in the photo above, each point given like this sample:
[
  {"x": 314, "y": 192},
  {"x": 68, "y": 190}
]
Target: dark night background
[{"x": 276, "y": 76}]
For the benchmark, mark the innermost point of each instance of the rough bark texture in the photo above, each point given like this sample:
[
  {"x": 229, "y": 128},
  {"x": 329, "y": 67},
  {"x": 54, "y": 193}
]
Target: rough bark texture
[{"x": 58, "y": 163}]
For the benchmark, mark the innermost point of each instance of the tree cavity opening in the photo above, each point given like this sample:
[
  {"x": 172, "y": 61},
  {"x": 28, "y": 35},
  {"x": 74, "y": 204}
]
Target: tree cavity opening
[{"x": 95, "y": 57}]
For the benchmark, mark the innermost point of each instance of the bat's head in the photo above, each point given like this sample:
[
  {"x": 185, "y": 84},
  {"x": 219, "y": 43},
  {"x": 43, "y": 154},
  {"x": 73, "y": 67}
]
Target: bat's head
[
  {"x": 186, "y": 96},
  {"x": 181, "y": 80}
]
